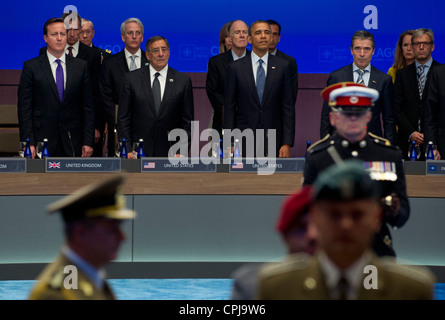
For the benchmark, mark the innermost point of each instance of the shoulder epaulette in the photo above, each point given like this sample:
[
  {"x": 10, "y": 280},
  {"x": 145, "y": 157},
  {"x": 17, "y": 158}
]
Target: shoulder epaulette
[
  {"x": 318, "y": 143},
  {"x": 295, "y": 262},
  {"x": 417, "y": 273},
  {"x": 379, "y": 139}
]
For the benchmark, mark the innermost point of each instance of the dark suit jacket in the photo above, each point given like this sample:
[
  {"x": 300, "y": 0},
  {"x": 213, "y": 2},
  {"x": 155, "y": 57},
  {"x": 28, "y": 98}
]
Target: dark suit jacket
[
  {"x": 105, "y": 54},
  {"x": 294, "y": 71},
  {"x": 137, "y": 116},
  {"x": 435, "y": 110},
  {"x": 383, "y": 106},
  {"x": 216, "y": 74},
  {"x": 110, "y": 84},
  {"x": 242, "y": 108},
  {"x": 41, "y": 114},
  {"x": 408, "y": 105}
]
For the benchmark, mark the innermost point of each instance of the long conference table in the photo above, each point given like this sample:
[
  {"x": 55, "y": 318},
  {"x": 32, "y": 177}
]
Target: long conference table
[{"x": 193, "y": 224}]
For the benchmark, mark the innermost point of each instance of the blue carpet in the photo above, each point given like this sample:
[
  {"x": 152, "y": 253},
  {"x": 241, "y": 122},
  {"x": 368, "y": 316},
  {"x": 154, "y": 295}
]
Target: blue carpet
[{"x": 157, "y": 289}]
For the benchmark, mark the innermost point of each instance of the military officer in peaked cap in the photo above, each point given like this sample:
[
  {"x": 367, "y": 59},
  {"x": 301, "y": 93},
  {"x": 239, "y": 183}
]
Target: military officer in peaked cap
[
  {"x": 351, "y": 106},
  {"x": 346, "y": 212},
  {"x": 92, "y": 219}
]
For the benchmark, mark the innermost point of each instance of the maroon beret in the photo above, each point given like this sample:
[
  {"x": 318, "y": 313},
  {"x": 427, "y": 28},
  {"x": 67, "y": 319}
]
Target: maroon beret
[{"x": 293, "y": 206}]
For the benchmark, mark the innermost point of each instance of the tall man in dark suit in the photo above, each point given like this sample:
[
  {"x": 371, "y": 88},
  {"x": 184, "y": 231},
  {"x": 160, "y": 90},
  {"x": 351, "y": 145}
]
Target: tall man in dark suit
[
  {"x": 411, "y": 91},
  {"x": 275, "y": 38},
  {"x": 114, "y": 69},
  {"x": 362, "y": 50},
  {"x": 155, "y": 100},
  {"x": 55, "y": 98},
  {"x": 258, "y": 93},
  {"x": 216, "y": 71}
]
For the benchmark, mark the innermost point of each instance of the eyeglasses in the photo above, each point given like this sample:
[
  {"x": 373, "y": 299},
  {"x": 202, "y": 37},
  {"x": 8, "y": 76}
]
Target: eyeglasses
[
  {"x": 424, "y": 43},
  {"x": 156, "y": 50}
]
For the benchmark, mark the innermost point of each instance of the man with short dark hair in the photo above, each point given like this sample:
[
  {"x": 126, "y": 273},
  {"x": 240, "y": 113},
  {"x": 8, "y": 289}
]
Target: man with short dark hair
[
  {"x": 346, "y": 212},
  {"x": 113, "y": 71},
  {"x": 55, "y": 98},
  {"x": 92, "y": 218},
  {"x": 411, "y": 93},
  {"x": 155, "y": 100},
  {"x": 275, "y": 39},
  {"x": 258, "y": 94},
  {"x": 361, "y": 71}
]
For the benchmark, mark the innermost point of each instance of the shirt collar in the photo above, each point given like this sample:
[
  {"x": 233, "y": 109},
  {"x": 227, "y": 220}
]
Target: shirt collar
[
  {"x": 353, "y": 274},
  {"x": 255, "y": 58},
  {"x": 75, "y": 46},
  {"x": 128, "y": 54},
  {"x": 52, "y": 58},
  {"x": 163, "y": 72},
  {"x": 235, "y": 57},
  {"x": 426, "y": 64},
  {"x": 95, "y": 275},
  {"x": 368, "y": 68}
]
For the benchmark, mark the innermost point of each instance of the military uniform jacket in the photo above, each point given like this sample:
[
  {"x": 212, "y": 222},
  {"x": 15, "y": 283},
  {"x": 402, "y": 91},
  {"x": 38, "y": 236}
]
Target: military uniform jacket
[
  {"x": 378, "y": 154},
  {"x": 303, "y": 279},
  {"x": 50, "y": 285}
]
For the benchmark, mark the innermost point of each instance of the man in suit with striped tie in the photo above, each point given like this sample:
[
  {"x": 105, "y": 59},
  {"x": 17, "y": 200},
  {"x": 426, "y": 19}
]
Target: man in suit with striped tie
[{"x": 361, "y": 71}]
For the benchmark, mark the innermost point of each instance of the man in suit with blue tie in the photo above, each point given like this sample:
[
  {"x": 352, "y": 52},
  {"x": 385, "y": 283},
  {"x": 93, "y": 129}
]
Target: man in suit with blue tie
[
  {"x": 114, "y": 69},
  {"x": 155, "y": 100},
  {"x": 55, "y": 98},
  {"x": 361, "y": 71},
  {"x": 258, "y": 93}
]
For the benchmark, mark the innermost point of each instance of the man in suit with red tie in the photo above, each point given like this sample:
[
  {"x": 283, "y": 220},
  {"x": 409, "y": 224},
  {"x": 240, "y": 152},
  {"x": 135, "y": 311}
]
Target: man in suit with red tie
[
  {"x": 258, "y": 93},
  {"x": 361, "y": 71},
  {"x": 155, "y": 100},
  {"x": 411, "y": 92},
  {"x": 55, "y": 98},
  {"x": 132, "y": 57}
]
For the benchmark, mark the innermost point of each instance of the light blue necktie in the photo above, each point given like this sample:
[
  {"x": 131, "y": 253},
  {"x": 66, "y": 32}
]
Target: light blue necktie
[
  {"x": 260, "y": 79},
  {"x": 133, "y": 63}
]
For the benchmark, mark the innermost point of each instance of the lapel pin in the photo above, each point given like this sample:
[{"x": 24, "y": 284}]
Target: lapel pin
[
  {"x": 273, "y": 67},
  {"x": 171, "y": 80},
  {"x": 373, "y": 81},
  {"x": 146, "y": 64}
]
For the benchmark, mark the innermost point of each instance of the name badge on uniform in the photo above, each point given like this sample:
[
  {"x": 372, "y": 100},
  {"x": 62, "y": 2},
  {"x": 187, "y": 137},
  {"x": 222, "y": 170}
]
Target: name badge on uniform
[{"x": 381, "y": 171}]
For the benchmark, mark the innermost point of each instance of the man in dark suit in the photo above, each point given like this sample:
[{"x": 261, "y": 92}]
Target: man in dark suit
[
  {"x": 216, "y": 71},
  {"x": 114, "y": 69},
  {"x": 155, "y": 100},
  {"x": 77, "y": 49},
  {"x": 362, "y": 50},
  {"x": 55, "y": 98},
  {"x": 435, "y": 111},
  {"x": 258, "y": 93},
  {"x": 412, "y": 92},
  {"x": 276, "y": 36},
  {"x": 346, "y": 213},
  {"x": 86, "y": 36}
]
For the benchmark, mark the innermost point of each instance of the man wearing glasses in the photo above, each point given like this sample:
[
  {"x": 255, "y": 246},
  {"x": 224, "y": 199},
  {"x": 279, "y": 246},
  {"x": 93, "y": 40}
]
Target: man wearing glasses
[
  {"x": 132, "y": 57},
  {"x": 361, "y": 71},
  {"x": 411, "y": 93},
  {"x": 154, "y": 101}
]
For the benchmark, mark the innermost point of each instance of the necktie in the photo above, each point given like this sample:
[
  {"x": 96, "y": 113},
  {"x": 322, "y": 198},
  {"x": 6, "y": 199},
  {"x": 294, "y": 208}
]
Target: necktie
[
  {"x": 70, "y": 51},
  {"x": 260, "y": 79},
  {"x": 133, "y": 63},
  {"x": 59, "y": 79},
  {"x": 360, "y": 79},
  {"x": 421, "y": 78},
  {"x": 157, "y": 92},
  {"x": 342, "y": 288}
]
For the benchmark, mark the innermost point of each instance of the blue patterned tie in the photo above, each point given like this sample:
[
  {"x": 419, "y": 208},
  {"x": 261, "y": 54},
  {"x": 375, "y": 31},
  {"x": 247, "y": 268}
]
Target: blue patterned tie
[
  {"x": 421, "y": 79},
  {"x": 133, "y": 63},
  {"x": 59, "y": 79},
  {"x": 260, "y": 79}
]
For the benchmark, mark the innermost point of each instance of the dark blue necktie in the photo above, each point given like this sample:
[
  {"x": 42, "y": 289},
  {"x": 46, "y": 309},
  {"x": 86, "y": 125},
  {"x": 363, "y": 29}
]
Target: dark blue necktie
[
  {"x": 59, "y": 79},
  {"x": 260, "y": 79},
  {"x": 157, "y": 92}
]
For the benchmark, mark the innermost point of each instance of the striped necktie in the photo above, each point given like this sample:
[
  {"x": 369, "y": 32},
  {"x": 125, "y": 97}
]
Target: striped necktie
[
  {"x": 360, "y": 79},
  {"x": 421, "y": 79}
]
